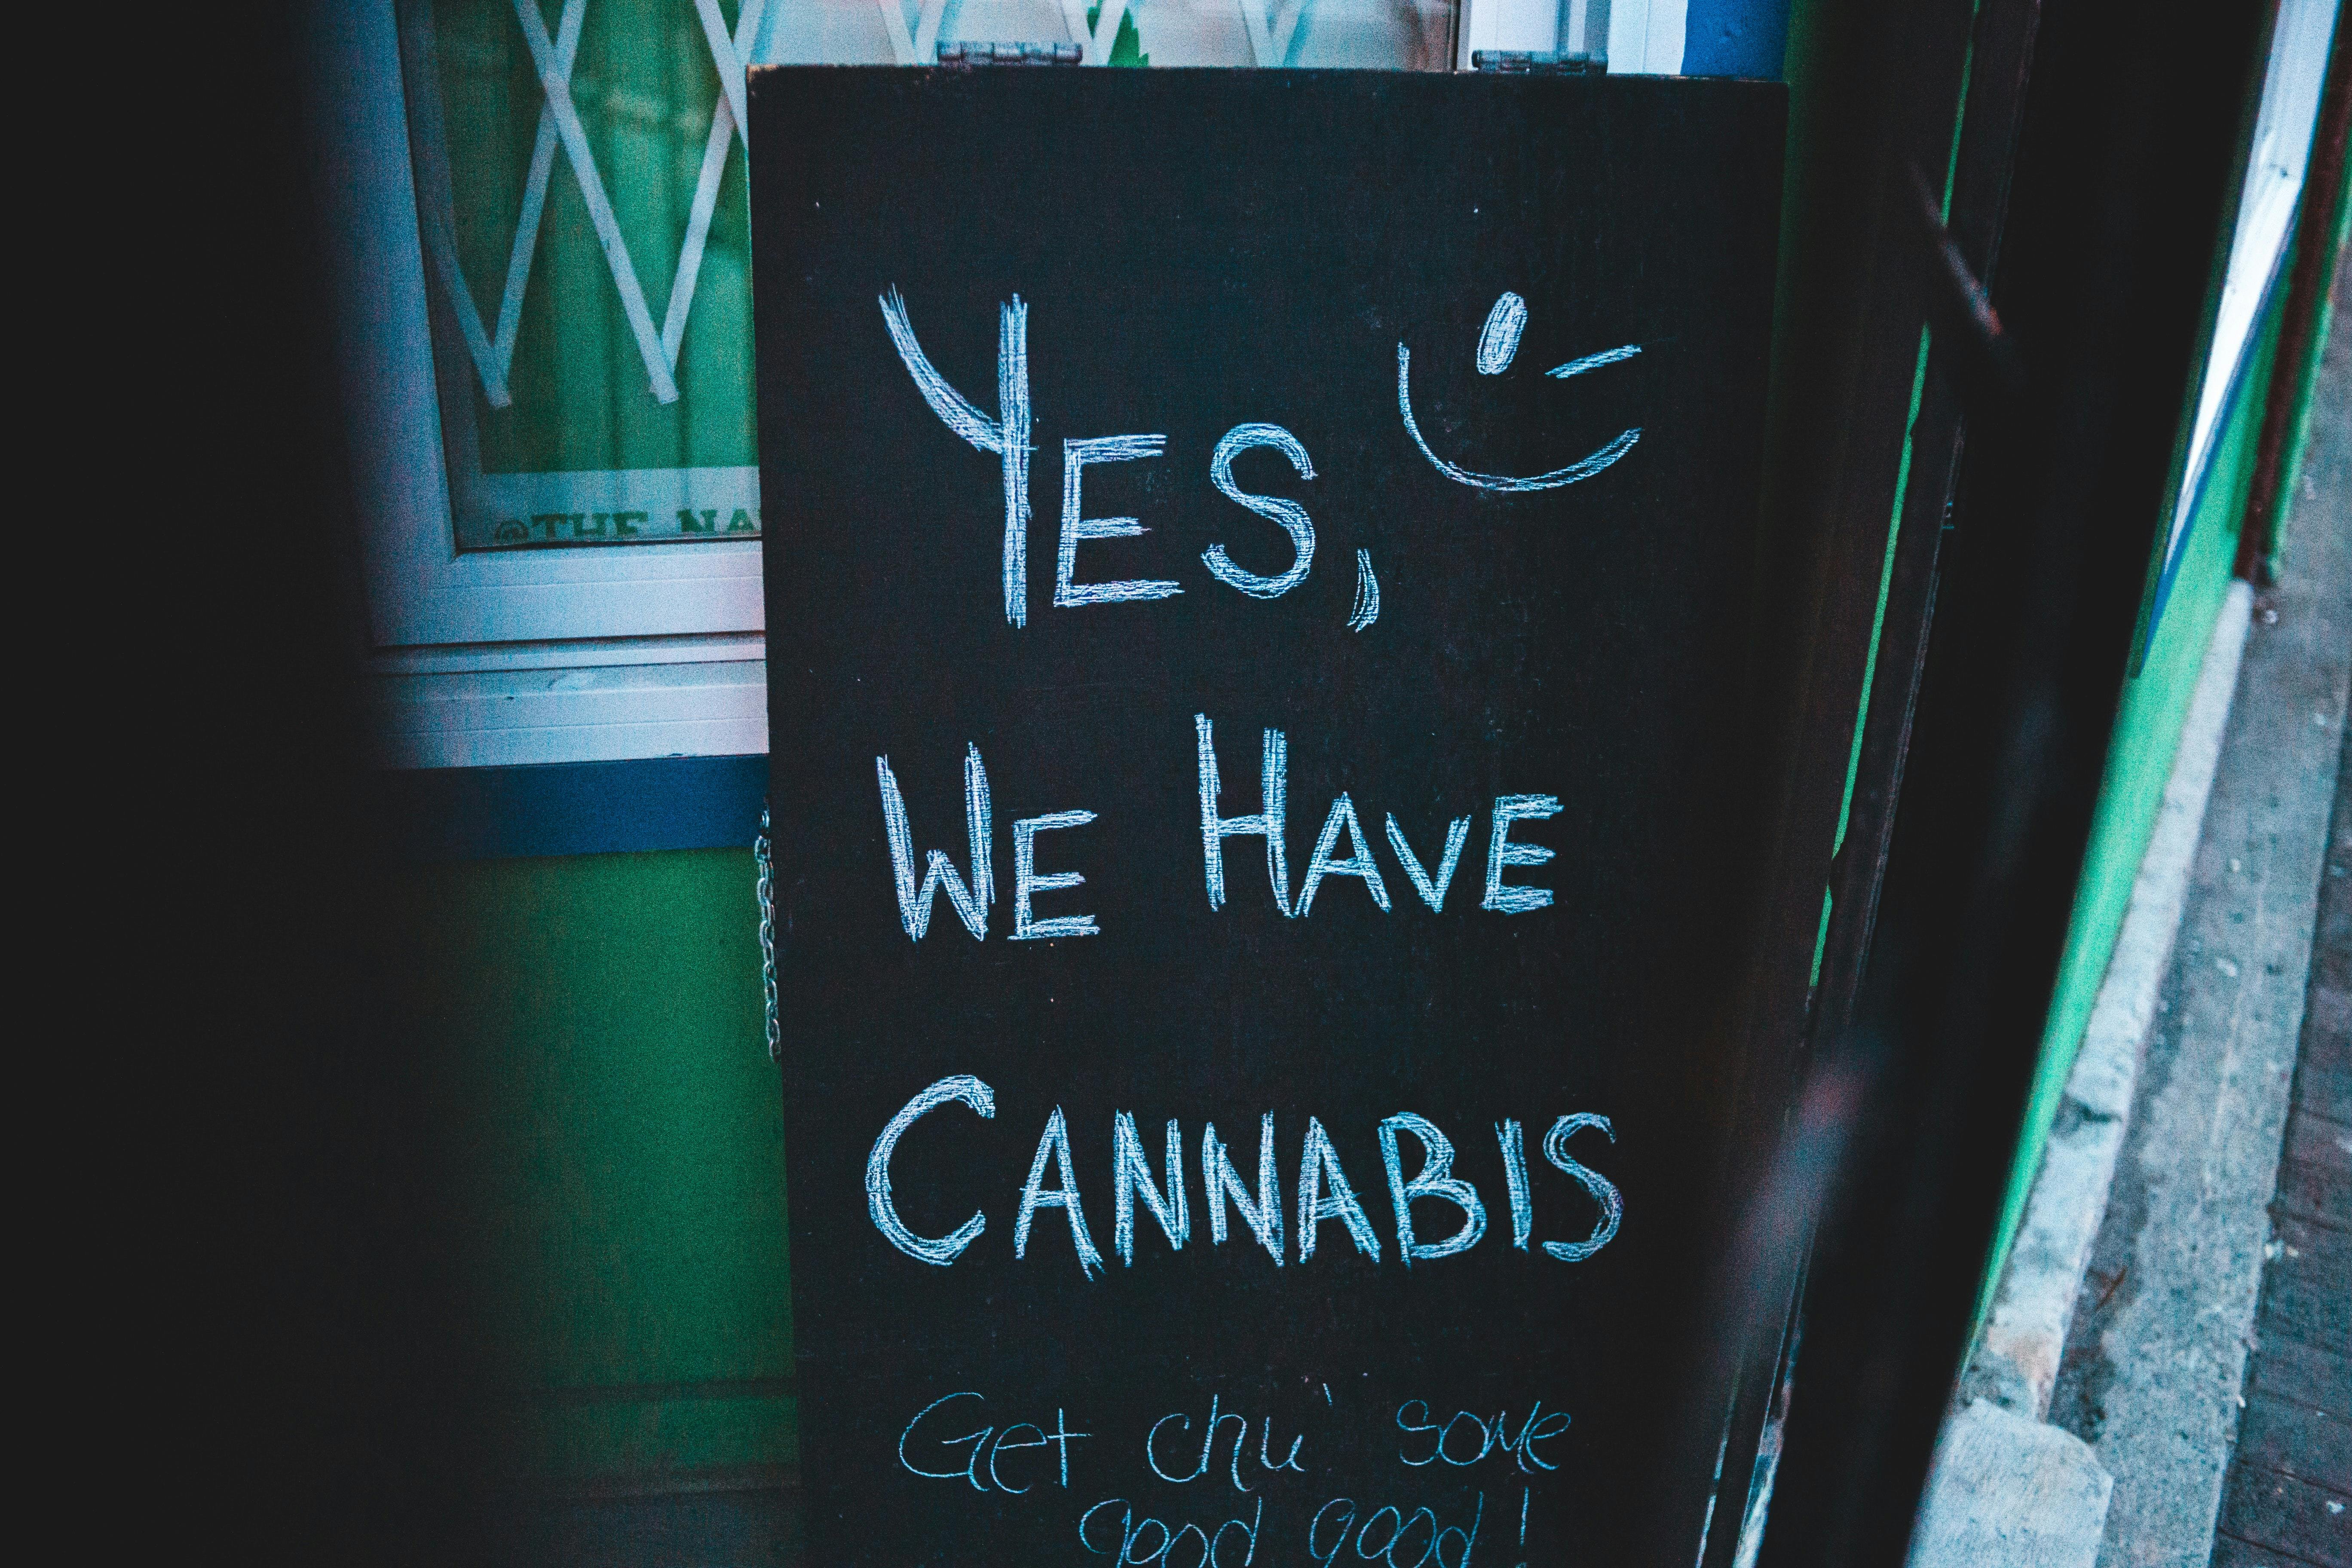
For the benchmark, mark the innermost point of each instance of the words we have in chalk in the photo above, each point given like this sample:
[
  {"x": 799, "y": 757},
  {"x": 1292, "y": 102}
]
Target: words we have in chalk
[
  {"x": 1430, "y": 877},
  {"x": 1323, "y": 1189}
]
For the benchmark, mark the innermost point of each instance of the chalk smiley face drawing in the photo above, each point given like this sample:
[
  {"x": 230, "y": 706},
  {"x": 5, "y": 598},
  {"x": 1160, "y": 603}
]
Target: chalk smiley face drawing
[{"x": 1498, "y": 343}]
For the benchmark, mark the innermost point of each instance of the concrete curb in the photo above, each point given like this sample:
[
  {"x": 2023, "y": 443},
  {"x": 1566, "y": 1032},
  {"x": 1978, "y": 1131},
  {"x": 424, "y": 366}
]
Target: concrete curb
[
  {"x": 2157, "y": 1183},
  {"x": 2015, "y": 1363},
  {"x": 2155, "y": 1363},
  {"x": 2011, "y": 1492},
  {"x": 2008, "y": 1491}
]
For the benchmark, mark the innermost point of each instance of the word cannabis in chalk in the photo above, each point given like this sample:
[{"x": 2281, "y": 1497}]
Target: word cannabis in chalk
[
  {"x": 1323, "y": 1190},
  {"x": 1007, "y": 436},
  {"x": 970, "y": 897},
  {"x": 1498, "y": 344}
]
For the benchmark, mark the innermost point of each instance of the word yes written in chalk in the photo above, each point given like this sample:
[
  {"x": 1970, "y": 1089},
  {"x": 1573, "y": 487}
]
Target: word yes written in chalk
[{"x": 1008, "y": 436}]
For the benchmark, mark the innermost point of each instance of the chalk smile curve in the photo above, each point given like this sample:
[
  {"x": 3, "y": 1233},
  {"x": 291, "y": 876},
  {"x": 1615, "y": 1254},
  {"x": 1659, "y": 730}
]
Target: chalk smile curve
[{"x": 1584, "y": 470}]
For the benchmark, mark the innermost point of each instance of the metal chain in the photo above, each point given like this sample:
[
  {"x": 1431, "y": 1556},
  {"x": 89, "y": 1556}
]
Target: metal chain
[{"x": 762, "y": 857}]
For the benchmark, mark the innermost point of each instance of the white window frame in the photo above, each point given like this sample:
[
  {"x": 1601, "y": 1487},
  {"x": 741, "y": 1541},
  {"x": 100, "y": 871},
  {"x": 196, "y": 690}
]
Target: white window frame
[
  {"x": 496, "y": 657},
  {"x": 518, "y": 657},
  {"x": 2294, "y": 75}
]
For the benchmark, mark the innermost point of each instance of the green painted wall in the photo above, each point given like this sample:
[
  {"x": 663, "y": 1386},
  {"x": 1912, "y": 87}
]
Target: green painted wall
[
  {"x": 612, "y": 1142},
  {"x": 2154, "y": 704}
]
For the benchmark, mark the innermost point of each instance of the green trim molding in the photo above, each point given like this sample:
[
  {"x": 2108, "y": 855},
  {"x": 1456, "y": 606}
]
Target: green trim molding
[{"x": 2306, "y": 373}]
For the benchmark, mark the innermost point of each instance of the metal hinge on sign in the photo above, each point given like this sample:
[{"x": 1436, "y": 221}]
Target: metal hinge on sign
[
  {"x": 972, "y": 54},
  {"x": 1537, "y": 62}
]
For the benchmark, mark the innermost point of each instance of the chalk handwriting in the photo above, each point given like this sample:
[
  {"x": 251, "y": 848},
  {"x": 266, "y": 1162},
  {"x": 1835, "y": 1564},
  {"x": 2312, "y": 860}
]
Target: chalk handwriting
[
  {"x": 1357, "y": 863},
  {"x": 1237, "y": 1455},
  {"x": 1498, "y": 341},
  {"x": 1135, "y": 1547},
  {"x": 1026, "y": 880},
  {"x": 1268, "y": 822},
  {"x": 983, "y": 1461},
  {"x": 1583, "y": 469},
  {"x": 1265, "y": 823},
  {"x": 1367, "y": 593},
  {"x": 1034, "y": 1195},
  {"x": 1287, "y": 514},
  {"x": 1436, "y": 1210},
  {"x": 1318, "y": 1166},
  {"x": 969, "y": 898},
  {"x": 1603, "y": 1191},
  {"x": 943, "y": 1249},
  {"x": 1436, "y": 1180},
  {"x": 1391, "y": 1536},
  {"x": 1323, "y": 1191},
  {"x": 1008, "y": 434},
  {"x": 1076, "y": 456},
  {"x": 970, "y": 903},
  {"x": 1431, "y": 888},
  {"x": 1515, "y": 1178},
  {"x": 958, "y": 1438},
  {"x": 1131, "y": 1178},
  {"x": 1594, "y": 362},
  {"x": 1263, "y": 1214},
  {"x": 1501, "y": 853},
  {"x": 1437, "y": 1441}
]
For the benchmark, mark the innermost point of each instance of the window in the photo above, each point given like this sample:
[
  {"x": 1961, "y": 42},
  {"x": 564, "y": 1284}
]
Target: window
[{"x": 546, "y": 322}]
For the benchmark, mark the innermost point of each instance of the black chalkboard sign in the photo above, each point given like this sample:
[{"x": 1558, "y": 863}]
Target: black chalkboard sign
[{"x": 1261, "y": 592}]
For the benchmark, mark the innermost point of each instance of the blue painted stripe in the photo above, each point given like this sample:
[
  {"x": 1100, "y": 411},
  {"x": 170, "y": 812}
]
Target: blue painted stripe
[
  {"x": 1735, "y": 38},
  {"x": 569, "y": 808}
]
